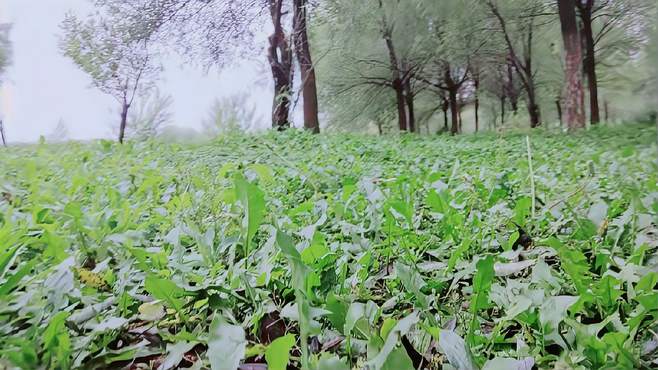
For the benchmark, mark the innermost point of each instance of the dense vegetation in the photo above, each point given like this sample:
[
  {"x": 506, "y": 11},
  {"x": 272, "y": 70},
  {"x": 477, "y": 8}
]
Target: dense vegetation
[{"x": 495, "y": 251}]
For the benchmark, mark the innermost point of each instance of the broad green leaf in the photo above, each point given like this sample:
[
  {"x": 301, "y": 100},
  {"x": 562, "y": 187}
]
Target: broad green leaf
[
  {"x": 500, "y": 363},
  {"x": 226, "y": 345},
  {"x": 402, "y": 328},
  {"x": 165, "y": 290},
  {"x": 456, "y": 350},
  {"x": 277, "y": 354},
  {"x": 175, "y": 354},
  {"x": 481, "y": 287},
  {"x": 294, "y": 258},
  {"x": 253, "y": 203},
  {"x": 151, "y": 311},
  {"x": 458, "y": 254},
  {"x": 57, "y": 342},
  {"x": 554, "y": 310},
  {"x": 338, "y": 312},
  {"x": 355, "y": 313},
  {"x": 331, "y": 362},
  {"x": 413, "y": 282}
]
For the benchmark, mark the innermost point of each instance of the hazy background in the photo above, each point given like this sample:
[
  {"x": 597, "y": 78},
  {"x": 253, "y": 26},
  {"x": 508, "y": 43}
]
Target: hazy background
[{"x": 43, "y": 87}]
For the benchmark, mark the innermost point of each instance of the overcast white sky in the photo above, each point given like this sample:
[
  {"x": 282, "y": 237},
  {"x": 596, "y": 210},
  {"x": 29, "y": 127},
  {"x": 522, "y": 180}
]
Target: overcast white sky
[{"x": 42, "y": 87}]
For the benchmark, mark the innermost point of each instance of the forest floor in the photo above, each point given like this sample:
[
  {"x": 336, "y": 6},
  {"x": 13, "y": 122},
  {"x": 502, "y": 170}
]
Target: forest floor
[{"x": 477, "y": 252}]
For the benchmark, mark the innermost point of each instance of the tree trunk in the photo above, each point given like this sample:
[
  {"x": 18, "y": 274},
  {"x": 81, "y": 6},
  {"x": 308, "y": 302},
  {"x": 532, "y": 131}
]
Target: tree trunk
[
  {"x": 302, "y": 48},
  {"x": 531, "y": 89},
  {"x": 409, "y": 100},
  {"x": 574, "y": 98},
  {"x": 502, "y": 110},
  {"x": 454, "y": 111},
  {"x": 459, "y": 109},
  {"x": 476, "y": 83},
  {"x": 401, "y": 105},
  {"x": 558, "y": 105},
  {"x": 606, "y": 110},
  {"x": 280, "y": 59},
  {"x": 589, "y": 60},
  {"x": 511, "y": 90},
  {"x": 514, "y": 104},
  {"x": 2, "y": 133},
  {"x": 445, "y": 105},
  {"x": 535, "y": 114},
  {"x": 124, "y": 118}
]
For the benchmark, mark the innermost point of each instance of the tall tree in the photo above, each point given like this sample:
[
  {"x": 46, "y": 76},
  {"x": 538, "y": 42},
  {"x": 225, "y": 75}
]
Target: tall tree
[
  {"x": 607, "y": 27},
  {"x": 376, "y": 64},
  {"x": 280, "y": 58},
  {"x": 307, "y": 69},
  {"x": 5, "y": 48},
  {"x": 117, "y": 64},
  {"x": 5, "y": 57},
  {"x": 573, "y": 97},
  {"x": 521, "y": 51},
  {"x": 458, "y": 44},
  {"x": 216, "y": 32}
]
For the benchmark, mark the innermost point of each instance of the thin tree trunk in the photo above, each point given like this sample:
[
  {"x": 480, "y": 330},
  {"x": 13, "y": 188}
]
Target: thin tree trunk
[
  {"x": 409, "y": 100},
  {"x": 535, "y": 115},
  {"x": 523, "y": 66},
  {"x": 531, "y": 90},
  {"x": 401, "y": 105},
  {"x": 589, "y": 60},
  {"x": 606, "y": 110},
  {"x": 2, "y": 133},
  {"x": 302, "y": 48},
  {"x": 124, "y": 118},
  {"x": 558, "y": 106},
  {"x": 476, "y": 82},
  {"x": 396, "y": 74},
  {"x": 511, "y": 91},
  {"x": 445, "y": 105},
  {"x": 454, "y": 111},
  {"x": 533, "y": 107},
  {"x": 514, "y": 104},
  {"x": 573, "y": 99},
  {"x": 502, "y": 110},
  {"x": 459, "y": 109},
  {"x": 280, "y": 59}
]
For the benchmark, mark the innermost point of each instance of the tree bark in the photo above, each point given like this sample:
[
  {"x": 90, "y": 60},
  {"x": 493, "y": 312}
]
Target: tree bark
[
  {"x": 502, "y": 110},
  {"x": 398, "y": 84},
  {"x": 589, "y": 60},
  {"x": 606, "y": 110},
  {"x": 124, "y": 118},
  {"x": 409, "y": 101},
  {"x": 523, "y": 66},
  {"x": 476, "y": 83},
  {"x": 280, "y": 59},
  {"x": 535, "y": 114},
  {"x": 401, "y": 105},
  {"x": 574, "y": 98},
  {"x": 459, "y": 109},
  {"x": 396, "y": 71},
  {"x": 510, "y": 89},
  {"x": 558, "y": 106},
  {"x": 302, "y": 49},
  {"x": 454, "y": 111},
  {"x": 2, "y": 133},
  {"x": 445, "y": 105}
]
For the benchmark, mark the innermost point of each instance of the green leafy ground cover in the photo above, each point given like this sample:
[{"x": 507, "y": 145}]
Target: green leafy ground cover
[{"x": 380, "y": 253}]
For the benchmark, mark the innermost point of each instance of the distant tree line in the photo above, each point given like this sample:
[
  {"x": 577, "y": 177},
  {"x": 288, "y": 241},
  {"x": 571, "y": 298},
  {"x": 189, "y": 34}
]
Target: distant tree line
[{"x": 379, "y": 61}]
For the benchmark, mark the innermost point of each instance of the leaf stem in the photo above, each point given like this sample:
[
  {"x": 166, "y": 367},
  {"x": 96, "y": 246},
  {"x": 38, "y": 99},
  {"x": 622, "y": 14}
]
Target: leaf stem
[{"x": 532, "y": 177}]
